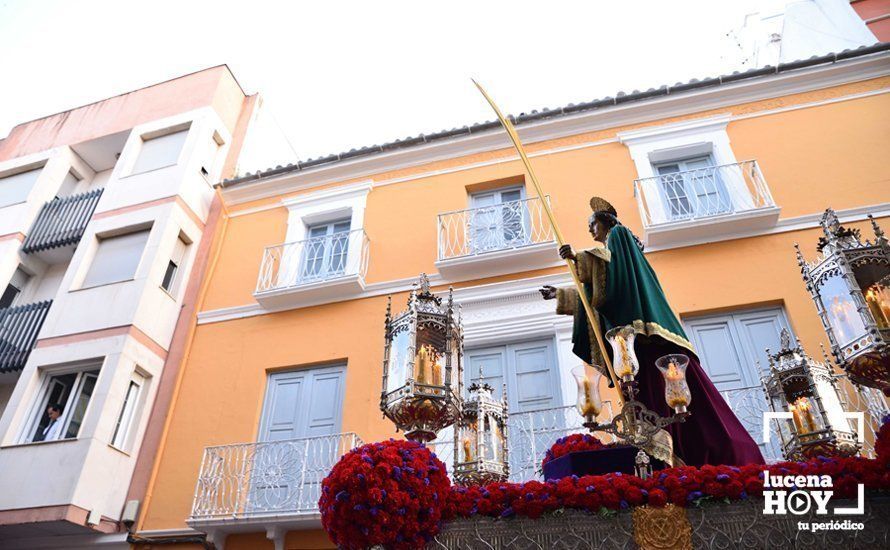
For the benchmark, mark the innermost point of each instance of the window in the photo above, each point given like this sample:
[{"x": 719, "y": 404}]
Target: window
[
  {"x": 159, "y": 152},
  {"x": 116, "y": 259},
  {"x": 62, "y": 405},
  {"x": 15, "y": 188},
  {"x": 325, "y": 251},
  {"x": 128, "y": 412},
  {"x": 692, "y": 188},
  {"x": 170, "y": 283},
  {"x": 14, "y": 288},
  {"x": 498, "y": 220}
]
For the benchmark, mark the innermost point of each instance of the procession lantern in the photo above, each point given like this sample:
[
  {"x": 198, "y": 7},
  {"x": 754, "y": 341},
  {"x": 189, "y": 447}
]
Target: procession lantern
[
  {"x": 480, "y": 438},
  {"x": 850, "y": 284},
  {"x": 422, "y": 369},
  {"x": 808, "y": 390},
  {"x": 589, "y": 403},
  {"x": 625, "y": 358},
  {"x": 676, "y": 389}
]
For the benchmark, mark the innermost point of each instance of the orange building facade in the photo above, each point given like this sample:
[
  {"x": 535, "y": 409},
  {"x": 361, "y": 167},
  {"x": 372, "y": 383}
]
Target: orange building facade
[{"x": 283, "y": 362}]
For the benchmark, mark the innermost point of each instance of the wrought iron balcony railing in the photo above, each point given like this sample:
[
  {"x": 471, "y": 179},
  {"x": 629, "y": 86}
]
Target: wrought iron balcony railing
[
  {"x": 702, "y": 193},
  {"x": 314, "y": 260},
  {"x": 493, "y": 228},
  {"x": 278, "y": 477},
  {"x": 19, "y": 326},
  {"x": 61, "y": 222}
]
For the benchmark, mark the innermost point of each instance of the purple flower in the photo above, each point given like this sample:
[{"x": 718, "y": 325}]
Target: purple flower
[
  {"x": 507, "y": 512},
  {"x": 396, "y": 472},
  {"x": 342, "y": 496},
  {"x": 624, "y": 505},
  {"x": 723, "y": 478}
]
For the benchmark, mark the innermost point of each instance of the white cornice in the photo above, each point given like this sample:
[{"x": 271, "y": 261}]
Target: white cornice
[
  {"x": 355, "y": 190},
  {"x": 683, "y": 103},
  {"x": 696, "y": 125}
]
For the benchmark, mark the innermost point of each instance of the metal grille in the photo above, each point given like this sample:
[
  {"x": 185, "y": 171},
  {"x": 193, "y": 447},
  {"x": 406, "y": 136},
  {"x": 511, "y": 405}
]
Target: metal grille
[
  {"x": 314, "y": 260},
  {"x": 702, "y": 193},
  {"x": 61, "y": 222},
  {"x": 493, "y": 228},
  {"x": 249, "y": 479},
  {"x": 19, "y": 327}
]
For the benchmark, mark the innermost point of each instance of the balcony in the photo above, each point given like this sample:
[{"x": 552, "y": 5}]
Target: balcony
[
  {"x": 699, "y": 205},
  {"x": 61, "y": 222},
  {"x": 251, "y": 485},
  {"x": 19, "y": 327},
  {"x": 313, "y": 271},
  {"x": 493, "y": 240}
]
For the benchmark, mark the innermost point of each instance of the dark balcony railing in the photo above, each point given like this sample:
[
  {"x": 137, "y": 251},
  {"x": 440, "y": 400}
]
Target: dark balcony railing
[
  {"x": 61, "y": 222},
  {"x": 19, "y": 327}
]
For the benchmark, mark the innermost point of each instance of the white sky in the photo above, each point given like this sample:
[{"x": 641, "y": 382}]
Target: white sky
[{"x": 339, "y": 75}]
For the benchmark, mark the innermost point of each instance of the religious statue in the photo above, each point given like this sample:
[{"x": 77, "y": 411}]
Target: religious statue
[{"x": 623, "y": 289}]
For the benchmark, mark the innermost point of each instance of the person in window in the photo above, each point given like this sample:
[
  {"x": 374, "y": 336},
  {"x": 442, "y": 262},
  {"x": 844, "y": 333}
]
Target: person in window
[
  {"x": 623, "y": 289},
  {"x": 53, "y": 430}
]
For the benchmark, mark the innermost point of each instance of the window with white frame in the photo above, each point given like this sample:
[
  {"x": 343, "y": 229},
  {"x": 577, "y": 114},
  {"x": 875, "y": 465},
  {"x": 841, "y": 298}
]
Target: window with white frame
[
  {"x": 498, "y": 219},
  {"x": 14, "y": 188},
  {"x": 692, "y": 188},
  {"x": 126, "y": 417},
  {"x": 159, "y": 152},
  {"x": 116, "y": 259},
  {"x": 172, "y": 277},
  {"x": 62, "y": 404},
  {"x": 325, "y": 251}
]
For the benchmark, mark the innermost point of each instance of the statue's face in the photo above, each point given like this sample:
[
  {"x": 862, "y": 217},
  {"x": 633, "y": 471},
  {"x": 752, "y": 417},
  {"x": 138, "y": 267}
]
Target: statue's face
[{"x": 599, "y": 231}]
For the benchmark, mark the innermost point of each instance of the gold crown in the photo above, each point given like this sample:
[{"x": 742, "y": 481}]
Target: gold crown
[{"x": 600, "y": 204}]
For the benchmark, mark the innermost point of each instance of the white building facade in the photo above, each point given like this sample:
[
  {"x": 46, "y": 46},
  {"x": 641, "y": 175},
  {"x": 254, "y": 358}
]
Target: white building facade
[{"x": 103, "y": 213}]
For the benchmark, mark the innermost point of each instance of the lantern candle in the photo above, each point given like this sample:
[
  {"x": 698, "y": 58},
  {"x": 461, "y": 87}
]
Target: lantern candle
[
  {"x": 805, "y": 413},
  {"x": 798, "y": 420},
  {"x": 878, "y": 307},
  {"x": 423, "y": 366},
  {"x": 589, "y": 402},
  {"x": 468, "y": 450},
  {"x": 676, "y": 389},
  {"x": 625, "y": 360}
]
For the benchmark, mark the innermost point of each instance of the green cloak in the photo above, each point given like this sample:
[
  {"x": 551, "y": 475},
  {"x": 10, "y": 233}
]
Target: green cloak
[{"x": 633, "y": 296}]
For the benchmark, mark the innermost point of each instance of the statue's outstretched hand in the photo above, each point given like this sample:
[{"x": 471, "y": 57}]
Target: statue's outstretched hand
[
  {"x": 548, "y": 292},
  {"x": 566, "y": 252}
]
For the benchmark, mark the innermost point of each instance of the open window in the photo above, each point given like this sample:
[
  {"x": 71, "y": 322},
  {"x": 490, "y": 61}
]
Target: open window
[
  {"x": 126, "y": 419},
  {"x": 13, "y": 291},
  {"x": 172, "y": 275},
  {"x": 62, "y": 404}
]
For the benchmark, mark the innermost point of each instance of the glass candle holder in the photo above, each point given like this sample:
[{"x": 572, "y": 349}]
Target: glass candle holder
[
  {"x": 624, "y": 359},
  {"x": 676, "y": 390},
  {"x": 589, "y": 401}
]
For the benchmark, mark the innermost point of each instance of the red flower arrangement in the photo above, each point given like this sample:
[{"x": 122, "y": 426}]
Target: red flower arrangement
[
  {"x": 572, "y": 444},
  {"x": 392, "y": 493},
  {"x": 682, "y": 486}
]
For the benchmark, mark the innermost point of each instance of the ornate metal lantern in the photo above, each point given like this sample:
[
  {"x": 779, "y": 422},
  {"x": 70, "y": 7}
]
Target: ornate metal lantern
[
  {"x": 422, "y": 369},
  {"x": 480, "y": 438},
  {"x": 809, "y": 390},
  {"x": 850, "y": 284}
]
